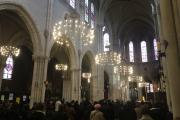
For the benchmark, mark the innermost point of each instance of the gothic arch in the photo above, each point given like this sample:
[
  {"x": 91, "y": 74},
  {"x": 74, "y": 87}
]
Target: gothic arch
[
  {"x": 92, "y": 65},
  {"x": 71, "y": 52},
  {"x": 28, "y": 21}
]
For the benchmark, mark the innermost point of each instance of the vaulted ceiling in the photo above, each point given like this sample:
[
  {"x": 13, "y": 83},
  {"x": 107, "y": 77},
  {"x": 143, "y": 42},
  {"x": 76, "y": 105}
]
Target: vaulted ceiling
[{"x": 128, "y": 19}]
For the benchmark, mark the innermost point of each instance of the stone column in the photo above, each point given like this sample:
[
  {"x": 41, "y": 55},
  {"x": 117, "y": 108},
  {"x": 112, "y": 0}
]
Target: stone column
[
  {"x": 139, "y": 93},
  {"x": 39, "y": 77},
  {"x": 67, "y": 90},
  {"x": 76, "y": 84},
  {"x": 172, "y": 54},
  {"x": 94, "y": 87},
  {"x": 100, "y": 83},
  {"x": 176, "y": 4},
  {"x": 2, "y": 65}
]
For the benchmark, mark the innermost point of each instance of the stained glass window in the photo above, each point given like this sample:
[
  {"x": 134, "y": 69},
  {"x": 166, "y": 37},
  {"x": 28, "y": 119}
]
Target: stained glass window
[
  {"x": 155, "y": 49},
  {"x": 92, "y": 15},
  {"x": 106, "y": 42},
  {"x": 144, "y": 51},
  {"x": 7, "y": 73},
  {"x": 72, "y": 3},
  {"x": 131, "y": 52},
  {"x": 87, "y": 10}
]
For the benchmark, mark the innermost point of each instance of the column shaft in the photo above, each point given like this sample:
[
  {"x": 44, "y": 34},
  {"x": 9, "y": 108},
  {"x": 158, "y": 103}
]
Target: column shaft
[
  {"x": 76, "y": 78},
  {"x": 2, "y": 65},
  {"x": 39, "y": 77},
  {"x": 172, "y": 54}
]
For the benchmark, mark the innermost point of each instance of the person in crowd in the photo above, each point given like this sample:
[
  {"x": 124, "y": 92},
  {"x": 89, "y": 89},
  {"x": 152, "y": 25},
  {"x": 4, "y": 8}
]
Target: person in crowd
[
  {"x": 146, "y": 114},
  {"x": 96, "y": 114},
  {"x": 39, "y": 112},
  {"x": 60, "y": 114}
]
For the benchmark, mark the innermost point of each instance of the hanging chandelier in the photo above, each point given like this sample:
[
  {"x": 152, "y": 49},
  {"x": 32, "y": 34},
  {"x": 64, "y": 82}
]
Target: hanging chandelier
[
  {"x": 61, "y": 67},
  {"x": 87, "y": 76},
  {"x": 72, "y": 28},
  {"x": 135, "y": 78},
  {"x": 9, "y": 50},
  {"x": 108, "y": 58},
  {"x": 124, "y": 69}
]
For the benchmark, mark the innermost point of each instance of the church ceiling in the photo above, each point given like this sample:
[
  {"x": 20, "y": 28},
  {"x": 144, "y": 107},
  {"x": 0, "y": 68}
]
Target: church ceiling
[{"x": 129, "y": 18}]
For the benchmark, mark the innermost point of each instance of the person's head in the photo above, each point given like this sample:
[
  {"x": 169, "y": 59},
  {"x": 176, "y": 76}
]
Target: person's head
[{"x": 97, "y": 106}]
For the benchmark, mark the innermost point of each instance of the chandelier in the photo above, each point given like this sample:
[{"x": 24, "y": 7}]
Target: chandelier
[
  {"x": 108, "y": 58},
  {"x": 135, "y": 78},
  {"x": 72, "y": 28},
  {"x": 124, "y": 69},
  {"x": 87, "y": 76},
  {"x": 9, "y": 50},
  {"x": 61, "y": 67}
]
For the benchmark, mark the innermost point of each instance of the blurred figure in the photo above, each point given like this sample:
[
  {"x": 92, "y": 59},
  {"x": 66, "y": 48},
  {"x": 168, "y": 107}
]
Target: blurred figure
[
  {"x": 146, "y": 114},
  {"x": 96, "y": 114},
  {"x": 39, "y": 112}
]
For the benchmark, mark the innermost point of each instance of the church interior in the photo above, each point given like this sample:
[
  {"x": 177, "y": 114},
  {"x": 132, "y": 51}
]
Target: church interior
[{"x": 112, "y": 51}]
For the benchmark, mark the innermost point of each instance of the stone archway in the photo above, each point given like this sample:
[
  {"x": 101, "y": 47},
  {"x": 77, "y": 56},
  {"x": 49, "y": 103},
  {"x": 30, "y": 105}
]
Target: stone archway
[
  {"x": 33, "y": 43},
  {"x": 28, "y": 21},
  {"x": 14, "y": 31},
  {"x": 64, "y": 81},
  {"x": 58, "y": 79},
  {"x": 88, "y": 86}
]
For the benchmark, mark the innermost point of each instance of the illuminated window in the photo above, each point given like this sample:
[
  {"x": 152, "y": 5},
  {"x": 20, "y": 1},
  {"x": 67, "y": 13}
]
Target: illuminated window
[
  {"x": 106, "y": 42},
  {"x": 7, "y": 73},
  {"x": 92, "y": 15},
  {"x": 86, "y": 10},
  {"x": 155, "y": 49},
  {"x": 131, "y": 52},
  {"x": 153, "y": 9},
  {"x": 144, "y": 51},
  {"x": 104, "y": 28},
  {"x": 72, "y": 3}
]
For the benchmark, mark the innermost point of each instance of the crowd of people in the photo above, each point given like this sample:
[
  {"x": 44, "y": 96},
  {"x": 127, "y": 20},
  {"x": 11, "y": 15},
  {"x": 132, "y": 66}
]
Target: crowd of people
[{"x": 101, "y": 110}]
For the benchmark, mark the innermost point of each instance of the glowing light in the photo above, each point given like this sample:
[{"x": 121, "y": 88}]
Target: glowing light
[
  {"x": 9, "y": 50},
  {"x": 71, "y": 29},
  {"x": 108, "y": 58},
  {"x": 87, "y": 76},
  {"x": 61, "y": 67}
]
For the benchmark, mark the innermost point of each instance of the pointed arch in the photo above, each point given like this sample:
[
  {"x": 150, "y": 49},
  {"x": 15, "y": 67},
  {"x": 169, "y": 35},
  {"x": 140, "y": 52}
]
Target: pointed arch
[{"x": 28, "y": 21}]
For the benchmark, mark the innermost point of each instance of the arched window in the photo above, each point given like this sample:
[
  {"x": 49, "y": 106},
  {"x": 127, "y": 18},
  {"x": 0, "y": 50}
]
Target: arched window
[
  {"x": 106, "y": 42},
  {"x": 72, "y": 3},
  {"x": 131, "y": 52},
  {"x": 153, "y": 9},
  {"x": 86, "y": 10},
  {"x": 7, "y": 73},
  {"x": 155, "y": 49},
  {"x": 144, "y": 51},
  {"x": 92, "y": 15},
  {"x": 103, "y": 28}
]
